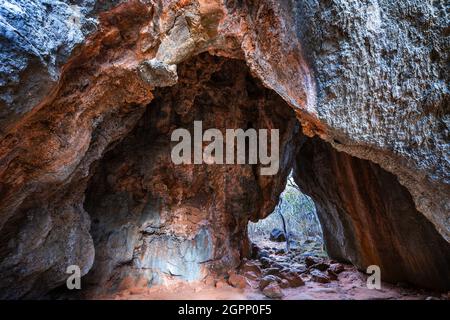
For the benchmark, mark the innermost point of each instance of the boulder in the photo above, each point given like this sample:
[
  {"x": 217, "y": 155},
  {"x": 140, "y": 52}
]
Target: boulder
[
  {"x": 251, "y": 275},
  {"x": 251, "y": 266},
  {"x": 88, "y": 102},
  {"x": 319, "y": 276},
  {"x": 337, "y": 268},
  {"x": 266, "y": 262},
  {"x": 277, "y": 235},
  {"x": 237, "y": 281},
  {"x": 221, "y": 283},
  {"x": 333, "y": 276},
  {"x": 266, "y": 280},
  {"x": 312, "y": 260},
  {"x": 273, "y": 291},
  {"x": 284, "y": 284},
  {"x": 322, "y": 266},
  {"x": 294, "y": 279},
  {"x": 271, "y": 271}
]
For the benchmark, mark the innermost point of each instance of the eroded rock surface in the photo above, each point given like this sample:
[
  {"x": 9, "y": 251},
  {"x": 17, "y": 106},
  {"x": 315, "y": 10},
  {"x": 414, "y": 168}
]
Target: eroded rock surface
[
  {"x": 382, "y": 74},
  {"x": 157, "y": 220},
  {"x": 36, "y": 40},
  {"x": 76, "y": 81},
  {"x": 369, "y": 218}
]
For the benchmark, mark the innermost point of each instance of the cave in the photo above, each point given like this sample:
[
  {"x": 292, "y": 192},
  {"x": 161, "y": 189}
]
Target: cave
[
  {"x": 293, "y": 224},
  {"x": 87, "y": 178},
  {"x": 154, "y": 223},
  {"x": 153, "y": 220}
]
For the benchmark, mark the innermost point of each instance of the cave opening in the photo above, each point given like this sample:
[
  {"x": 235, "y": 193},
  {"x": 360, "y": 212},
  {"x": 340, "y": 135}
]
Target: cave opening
[
  {"x": 155, "y": 223},
  {"x": 88, "y": 103},
  {"x": 147, "y": 222},
  {"x": 295, "y": 215}
]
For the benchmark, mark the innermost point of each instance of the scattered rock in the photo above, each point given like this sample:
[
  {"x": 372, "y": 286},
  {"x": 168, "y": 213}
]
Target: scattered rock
[
  {"x": 319, "y": 276},
  {"x": 237, "y": 281},
  {"x": 266, "y": 280},
  {"x": 312, "y": 260},
  {"x": 273, "y": 291},
  {"x": 294, "y": 280},
  {"x": 337, "y": 268}
]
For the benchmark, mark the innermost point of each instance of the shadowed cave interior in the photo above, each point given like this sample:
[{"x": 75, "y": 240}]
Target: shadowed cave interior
[
  {"x": 154, "y": 222},
  {"x": 88, "y": 103}
]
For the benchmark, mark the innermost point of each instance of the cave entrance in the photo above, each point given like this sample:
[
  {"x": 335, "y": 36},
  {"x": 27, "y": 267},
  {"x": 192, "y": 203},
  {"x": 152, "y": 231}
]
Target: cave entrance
[
  {"x": 295, "y": 215},
  {"x": 155, "y": 222}
]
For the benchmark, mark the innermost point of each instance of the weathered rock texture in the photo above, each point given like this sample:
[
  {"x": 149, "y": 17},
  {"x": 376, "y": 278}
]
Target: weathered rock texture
[
  {"x": 36, "y": 39},
  {"x": 382, "y": 73},
  {"x": 369, "y": 218},
  {"x": 77, "y": 76},
  {"x": 153, "y": 220}
]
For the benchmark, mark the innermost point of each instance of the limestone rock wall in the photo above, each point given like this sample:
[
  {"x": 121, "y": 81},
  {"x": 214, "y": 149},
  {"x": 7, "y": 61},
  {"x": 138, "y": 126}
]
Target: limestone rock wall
[
  {"x": 153, "y": 220},
  {"x": 369, "y": 218},
  {"x": 76, "y": 78},
  {"x": 100, "y": 81},
  {"x": 36, "y": 40},
  {"x": 382, "y": 87}
]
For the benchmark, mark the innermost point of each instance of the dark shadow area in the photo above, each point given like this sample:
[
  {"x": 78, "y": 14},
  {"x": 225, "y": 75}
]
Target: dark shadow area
[
  {"x": 155, "y": 222},
  {"x": 369, "y": 218}
]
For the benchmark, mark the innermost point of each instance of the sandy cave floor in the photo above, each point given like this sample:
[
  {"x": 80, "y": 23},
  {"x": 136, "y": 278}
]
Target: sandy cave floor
[
  {"x": 350, "y": 284},
  {"x": 349, "y": 287}
]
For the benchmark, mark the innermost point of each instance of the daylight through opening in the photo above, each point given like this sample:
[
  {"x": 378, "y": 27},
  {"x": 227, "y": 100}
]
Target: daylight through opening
[{"x": 295, "y": 216}]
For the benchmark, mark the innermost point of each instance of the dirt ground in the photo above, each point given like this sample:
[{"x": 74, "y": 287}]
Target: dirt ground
[{"x": 349, "y": 285}]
